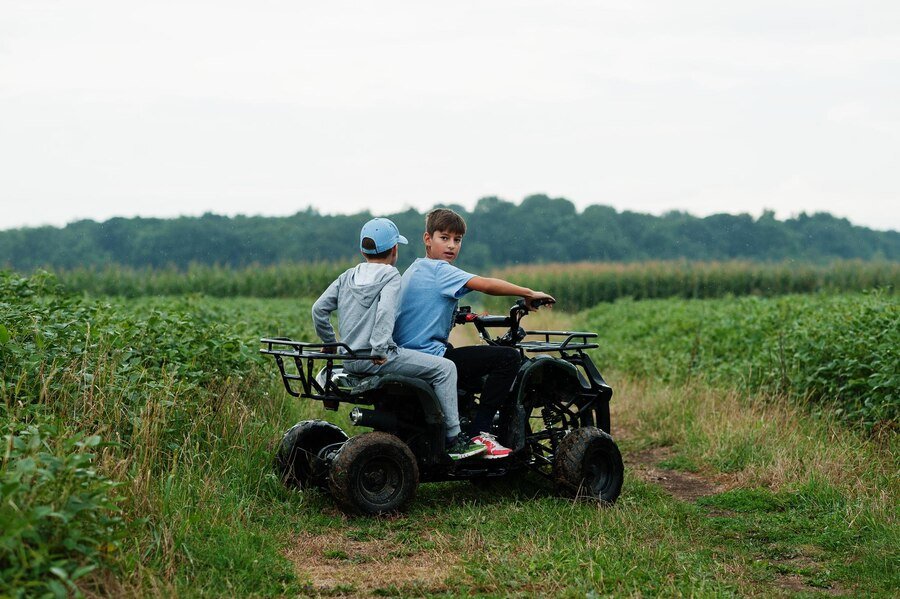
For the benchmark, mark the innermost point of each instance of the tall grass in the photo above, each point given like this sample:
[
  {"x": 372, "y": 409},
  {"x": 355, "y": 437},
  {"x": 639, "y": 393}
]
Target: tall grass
[
  {"x": 581, "y": 286},
  {"x": 112, "y": 416}
]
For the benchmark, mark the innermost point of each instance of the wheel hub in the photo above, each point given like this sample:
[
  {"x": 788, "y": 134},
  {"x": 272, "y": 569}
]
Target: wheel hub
[
  {"x": 375, "y": 479},
  {"x": 380, "y": 480}
]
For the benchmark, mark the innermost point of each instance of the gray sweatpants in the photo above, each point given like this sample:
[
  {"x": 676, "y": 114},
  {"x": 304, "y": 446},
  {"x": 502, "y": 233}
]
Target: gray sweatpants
[{"x": 438, "y": 372}]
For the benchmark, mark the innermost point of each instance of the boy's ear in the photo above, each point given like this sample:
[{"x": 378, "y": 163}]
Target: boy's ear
[{"x": 426, "y": 237}]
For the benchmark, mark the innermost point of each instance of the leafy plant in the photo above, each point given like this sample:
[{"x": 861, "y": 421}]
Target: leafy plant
[
  {"x": 59, "y": 517},
  {"x": 838, "y": 352}
]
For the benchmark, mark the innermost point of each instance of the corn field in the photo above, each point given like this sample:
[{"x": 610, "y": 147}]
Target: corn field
[
  {"x": 583, "y": 285},
  {"x": 577, "y": 286}
]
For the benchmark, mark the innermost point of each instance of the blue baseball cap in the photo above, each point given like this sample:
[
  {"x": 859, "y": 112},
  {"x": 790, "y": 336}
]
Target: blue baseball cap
[{"x": 383, "y": 232}]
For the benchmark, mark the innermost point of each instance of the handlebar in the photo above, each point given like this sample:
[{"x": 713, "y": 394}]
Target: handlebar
[
  {"x": 515, "y": 334},
  {"x": 464, "y": 314}
]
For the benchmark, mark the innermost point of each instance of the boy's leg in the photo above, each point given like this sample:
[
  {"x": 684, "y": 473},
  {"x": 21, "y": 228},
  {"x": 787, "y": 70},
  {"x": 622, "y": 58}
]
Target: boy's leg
[
  {"x": 438, "y": 372},
  {"x": 501, "y": 364}
]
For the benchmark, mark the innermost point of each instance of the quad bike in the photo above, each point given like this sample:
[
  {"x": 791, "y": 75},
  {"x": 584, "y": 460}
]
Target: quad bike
[{"x": 556, "y": 420}]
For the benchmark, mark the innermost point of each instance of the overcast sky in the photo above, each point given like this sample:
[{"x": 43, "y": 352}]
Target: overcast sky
[{"x": 121, "y": 108}]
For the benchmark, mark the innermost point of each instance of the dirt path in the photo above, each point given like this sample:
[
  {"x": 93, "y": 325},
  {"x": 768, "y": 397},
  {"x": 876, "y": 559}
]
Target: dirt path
[
  {"x": 685, "y": 486},
  {"x": 335, "y": 563}
]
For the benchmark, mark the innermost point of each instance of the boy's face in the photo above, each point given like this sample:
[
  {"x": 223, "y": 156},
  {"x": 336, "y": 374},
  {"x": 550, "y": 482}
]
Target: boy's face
[{"x": 443, "y": 245}]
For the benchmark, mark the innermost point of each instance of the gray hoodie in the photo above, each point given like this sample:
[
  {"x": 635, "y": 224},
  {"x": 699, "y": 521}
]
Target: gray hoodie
[{"x": 365, "y": 297}]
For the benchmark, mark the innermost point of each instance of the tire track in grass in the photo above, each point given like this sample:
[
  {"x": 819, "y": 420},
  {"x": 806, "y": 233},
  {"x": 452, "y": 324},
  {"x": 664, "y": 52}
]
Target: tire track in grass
[
  {"x": 770, "y": 529},
  {"x": 685, "y": 486}
]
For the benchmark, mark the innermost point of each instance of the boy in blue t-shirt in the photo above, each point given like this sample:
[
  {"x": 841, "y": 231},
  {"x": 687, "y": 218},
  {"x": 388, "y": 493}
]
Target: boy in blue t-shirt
[{"x": 430, "y": 290}]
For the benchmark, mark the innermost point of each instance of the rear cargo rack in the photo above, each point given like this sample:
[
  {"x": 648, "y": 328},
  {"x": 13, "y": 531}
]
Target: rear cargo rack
[{"x": 298, "y": 352}]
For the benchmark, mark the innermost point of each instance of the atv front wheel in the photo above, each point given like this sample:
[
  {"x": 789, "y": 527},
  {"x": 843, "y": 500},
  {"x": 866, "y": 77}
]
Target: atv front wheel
[
  {"x": 298, "y": 460},
  {"x": 374, "y": 473},
  {"x": 588, "y": 464}
]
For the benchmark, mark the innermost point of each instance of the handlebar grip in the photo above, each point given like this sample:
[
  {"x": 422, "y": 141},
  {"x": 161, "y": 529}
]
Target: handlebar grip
[
  {"x": 493, "y": 321},
  {"x": 522, "y": 303}
]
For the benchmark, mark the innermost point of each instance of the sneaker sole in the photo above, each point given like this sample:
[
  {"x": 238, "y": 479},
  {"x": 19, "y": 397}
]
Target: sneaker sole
[
  {"x": 488, "y": 456},
  {"x": 468, "y": 454}
]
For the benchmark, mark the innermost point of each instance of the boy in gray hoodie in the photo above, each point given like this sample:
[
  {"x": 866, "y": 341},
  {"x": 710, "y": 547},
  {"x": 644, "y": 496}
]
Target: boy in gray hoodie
[{"x": 366, "y": 298}]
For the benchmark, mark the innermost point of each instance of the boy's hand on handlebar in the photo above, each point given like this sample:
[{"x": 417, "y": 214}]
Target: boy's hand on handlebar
[
  {"x": 538, "y": 299},
  {"x": 379, "y": 361}
]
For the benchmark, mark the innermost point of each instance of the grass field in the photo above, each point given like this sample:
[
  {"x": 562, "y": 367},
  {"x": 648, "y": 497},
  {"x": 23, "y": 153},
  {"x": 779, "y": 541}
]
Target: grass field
[{"x": 138, "y": 437}]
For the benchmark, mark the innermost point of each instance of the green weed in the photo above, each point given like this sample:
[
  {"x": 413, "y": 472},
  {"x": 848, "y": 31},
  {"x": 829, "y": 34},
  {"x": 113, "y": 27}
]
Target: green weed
[{"x": 680, "y": 462}]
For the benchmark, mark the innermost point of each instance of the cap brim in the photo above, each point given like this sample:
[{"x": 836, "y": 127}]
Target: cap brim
[{"x": 402, "y": 239}]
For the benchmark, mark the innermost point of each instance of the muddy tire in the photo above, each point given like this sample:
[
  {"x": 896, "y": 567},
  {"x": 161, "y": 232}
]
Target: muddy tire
[
  {"x": 588, "y": 464},
  {"x": 374, "y": 473},
  {"x": 297, "y": 460}
]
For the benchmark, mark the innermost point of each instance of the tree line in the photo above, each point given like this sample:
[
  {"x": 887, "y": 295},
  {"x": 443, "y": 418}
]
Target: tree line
[{"x": 540, "y": 229}]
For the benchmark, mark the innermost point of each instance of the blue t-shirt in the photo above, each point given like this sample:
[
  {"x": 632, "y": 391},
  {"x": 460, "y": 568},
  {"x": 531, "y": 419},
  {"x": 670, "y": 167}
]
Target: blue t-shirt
[{"x": 429, "y": 292}]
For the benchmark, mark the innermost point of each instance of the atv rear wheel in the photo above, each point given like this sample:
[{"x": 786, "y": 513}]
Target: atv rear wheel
[
  {"x": 374, "y": 473},
  {"x": 298, "y": 460},
  {"x": 588, "y": 464}
]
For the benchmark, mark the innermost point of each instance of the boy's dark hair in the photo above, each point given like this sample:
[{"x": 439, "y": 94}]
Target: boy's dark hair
[
  {"x": 442, "y": 219},
  {"x": 369, "y": 244}
]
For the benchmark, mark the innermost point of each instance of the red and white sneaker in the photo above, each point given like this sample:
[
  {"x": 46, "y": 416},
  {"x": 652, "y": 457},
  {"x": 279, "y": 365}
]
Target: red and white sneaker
[{"x": 493, "y": 449}]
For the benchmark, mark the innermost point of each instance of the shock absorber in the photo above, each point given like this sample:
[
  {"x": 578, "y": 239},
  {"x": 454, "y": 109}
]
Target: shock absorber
[{"x": 550, "y": 419}]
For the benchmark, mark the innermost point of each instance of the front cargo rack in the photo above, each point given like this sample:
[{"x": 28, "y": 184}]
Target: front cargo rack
[{"x": 570, "y": 341}]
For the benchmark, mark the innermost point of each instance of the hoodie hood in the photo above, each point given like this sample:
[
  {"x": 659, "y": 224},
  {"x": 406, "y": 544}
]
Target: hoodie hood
[{"x": 365, "y": 282}]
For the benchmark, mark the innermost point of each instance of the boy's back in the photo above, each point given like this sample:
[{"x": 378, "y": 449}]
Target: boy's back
[{"x": 366, "y": 296}]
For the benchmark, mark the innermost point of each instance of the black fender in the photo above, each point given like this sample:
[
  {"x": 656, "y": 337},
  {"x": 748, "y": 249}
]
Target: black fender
[
  {"x": 392, "y": 393},
  {"x": 375, "y": 387},
  {"x": 556, "y": 373},
  {"x": 531, "y": 372},
  {"x": 536, "y": 369}
]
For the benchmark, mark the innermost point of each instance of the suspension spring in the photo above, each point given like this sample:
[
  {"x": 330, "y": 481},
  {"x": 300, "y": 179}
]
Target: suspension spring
[{"x": 550, "y": 418}]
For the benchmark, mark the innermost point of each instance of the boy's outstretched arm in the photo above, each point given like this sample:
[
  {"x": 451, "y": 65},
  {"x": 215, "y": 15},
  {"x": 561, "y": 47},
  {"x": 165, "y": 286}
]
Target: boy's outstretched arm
[
  {"x": 500, "y": 287},
  {"x": 321, "y": 311}
]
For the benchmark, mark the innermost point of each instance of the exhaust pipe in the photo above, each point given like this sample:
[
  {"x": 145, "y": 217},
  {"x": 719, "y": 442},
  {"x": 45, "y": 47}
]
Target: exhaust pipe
[{"x": 373, "y": 419}]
